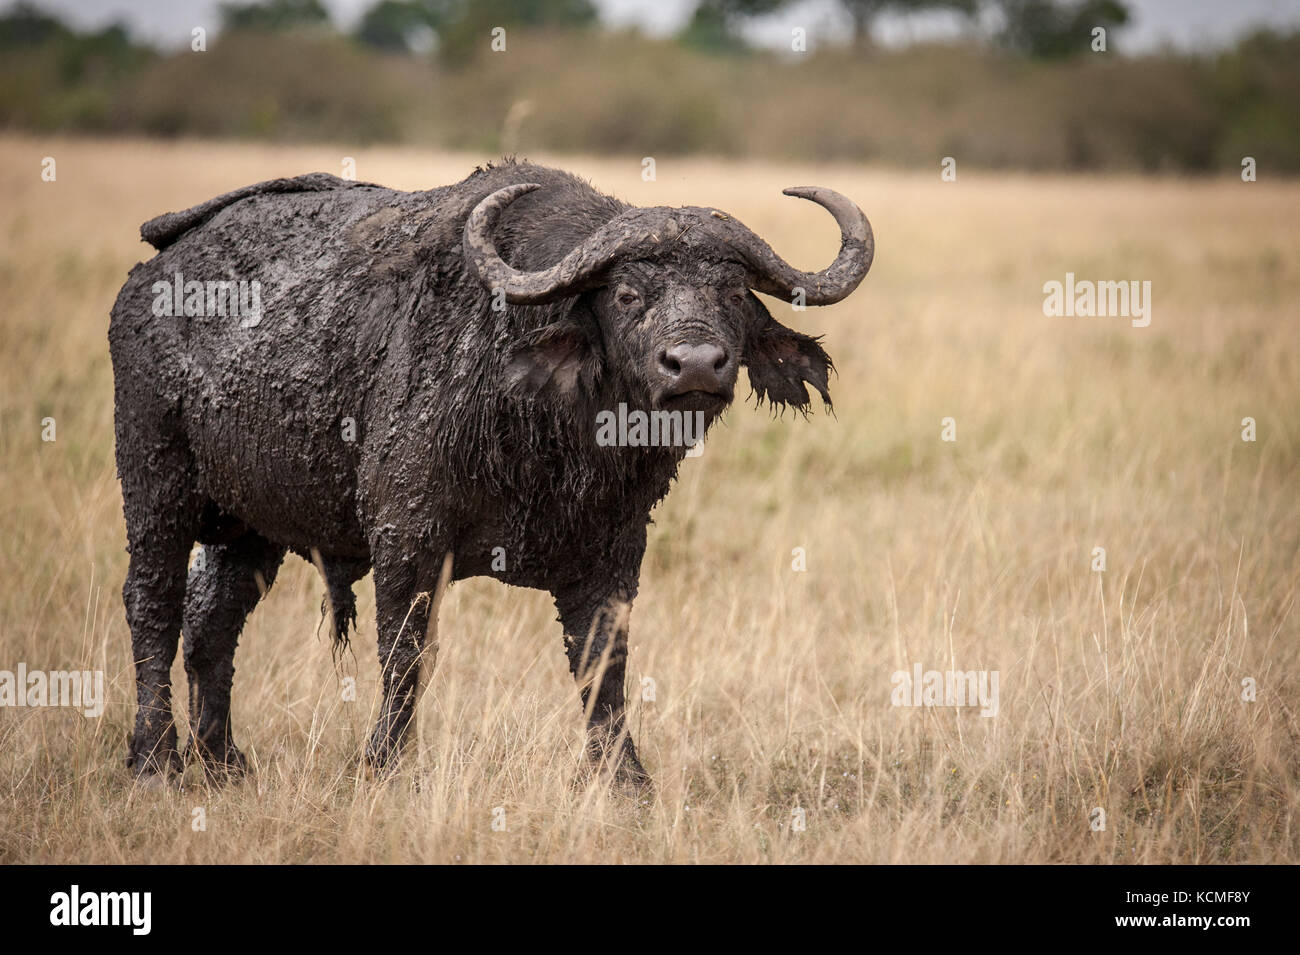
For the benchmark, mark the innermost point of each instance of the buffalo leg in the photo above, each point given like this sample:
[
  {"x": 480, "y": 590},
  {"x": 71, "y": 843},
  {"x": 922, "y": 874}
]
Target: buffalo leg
[
  {"x": 404, "y": 594},
  {"x": 161, "y": 520},
  {"x": 224, "y": 586},
  {"x": 595, "y": 638}
]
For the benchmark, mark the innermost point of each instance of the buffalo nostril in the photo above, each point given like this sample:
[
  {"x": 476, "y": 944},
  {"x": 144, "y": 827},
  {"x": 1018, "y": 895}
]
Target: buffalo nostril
[
  {"x": 669, "y": 363},
  {"x": 722, "y": 360}
]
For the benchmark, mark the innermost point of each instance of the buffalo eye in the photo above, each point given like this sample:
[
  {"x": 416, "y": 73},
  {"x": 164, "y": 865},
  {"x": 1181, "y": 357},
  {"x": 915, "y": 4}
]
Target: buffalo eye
[
  {"x": 627, "y": 298},
  {"x": 737, "y": 298}
]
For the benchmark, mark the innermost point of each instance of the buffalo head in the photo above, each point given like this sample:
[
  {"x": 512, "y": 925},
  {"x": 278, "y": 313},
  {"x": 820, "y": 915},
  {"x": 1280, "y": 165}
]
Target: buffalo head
[{"x": 662, "y": 300}]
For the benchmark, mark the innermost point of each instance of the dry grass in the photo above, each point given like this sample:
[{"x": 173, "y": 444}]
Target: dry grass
[{"x": 1119, "y": 690}]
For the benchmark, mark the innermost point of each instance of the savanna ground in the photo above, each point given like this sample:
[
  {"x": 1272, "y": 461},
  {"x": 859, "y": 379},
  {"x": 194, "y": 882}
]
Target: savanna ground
[{"x": 1120, "y": 690}]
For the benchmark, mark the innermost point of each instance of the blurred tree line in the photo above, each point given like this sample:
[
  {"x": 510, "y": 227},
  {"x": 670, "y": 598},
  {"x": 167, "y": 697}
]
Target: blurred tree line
[
  {"x": 1040, "y": 28},
  {"x": 1022, "y": 89}
]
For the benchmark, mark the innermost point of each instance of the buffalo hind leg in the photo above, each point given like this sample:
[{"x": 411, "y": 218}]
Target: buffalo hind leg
[
  {"x": 224, "y": 586},
  {"x": 161, "y": 521},
  {"x": 595, "y": 638}
]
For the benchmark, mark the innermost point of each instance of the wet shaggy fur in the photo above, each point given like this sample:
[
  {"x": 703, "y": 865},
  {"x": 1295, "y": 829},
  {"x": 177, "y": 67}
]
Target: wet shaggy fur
[{"x": 384, "y": 414}]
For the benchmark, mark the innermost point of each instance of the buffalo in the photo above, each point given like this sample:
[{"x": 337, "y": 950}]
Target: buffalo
[{"x": 417, "y": 383}]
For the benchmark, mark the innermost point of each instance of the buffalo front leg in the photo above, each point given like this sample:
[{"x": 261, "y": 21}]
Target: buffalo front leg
[
  {"x": 405, "y": 596},
  {"x": 595, "y": 638}
]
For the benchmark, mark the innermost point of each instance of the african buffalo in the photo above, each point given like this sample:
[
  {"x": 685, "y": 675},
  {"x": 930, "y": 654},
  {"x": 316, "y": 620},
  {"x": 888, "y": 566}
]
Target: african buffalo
[{"x": 413, "y": 382}]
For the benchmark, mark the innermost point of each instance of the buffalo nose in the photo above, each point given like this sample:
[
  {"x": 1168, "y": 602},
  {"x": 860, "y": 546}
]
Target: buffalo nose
[{"x": 694, "y": 367}]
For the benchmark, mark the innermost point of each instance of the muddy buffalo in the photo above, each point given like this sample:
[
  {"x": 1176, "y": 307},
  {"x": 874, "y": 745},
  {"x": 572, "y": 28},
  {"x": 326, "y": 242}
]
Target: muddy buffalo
[{"x": 424, "y": 383}]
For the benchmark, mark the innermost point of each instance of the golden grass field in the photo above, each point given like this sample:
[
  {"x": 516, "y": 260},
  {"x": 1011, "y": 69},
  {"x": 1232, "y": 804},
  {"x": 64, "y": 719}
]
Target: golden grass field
[{"x": 1120, "y": 690}]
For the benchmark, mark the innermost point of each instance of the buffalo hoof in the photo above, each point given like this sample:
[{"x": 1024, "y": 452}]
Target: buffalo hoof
[
  {"x": 150, "y": 777},
  {"x": 220, "y": 765},
  {"x": 621, "y": 771},
  {"x": 383, "y": 754},
  {"x": 633, "y": 783},
  {"x": 154, "y": 765}
]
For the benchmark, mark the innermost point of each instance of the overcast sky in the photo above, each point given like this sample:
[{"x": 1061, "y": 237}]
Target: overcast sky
[{"x": 1187, "y": 24}]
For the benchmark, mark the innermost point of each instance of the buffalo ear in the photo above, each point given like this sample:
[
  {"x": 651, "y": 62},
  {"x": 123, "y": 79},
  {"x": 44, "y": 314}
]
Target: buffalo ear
[
  {"x": 780, "y": 361},
  {"x": 554, "y": 360}
]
